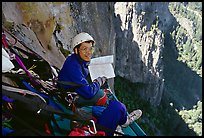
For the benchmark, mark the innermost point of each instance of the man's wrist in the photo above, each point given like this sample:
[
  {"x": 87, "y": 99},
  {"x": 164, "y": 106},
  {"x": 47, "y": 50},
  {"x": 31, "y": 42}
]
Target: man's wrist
[{"x": 97, "y": 82}]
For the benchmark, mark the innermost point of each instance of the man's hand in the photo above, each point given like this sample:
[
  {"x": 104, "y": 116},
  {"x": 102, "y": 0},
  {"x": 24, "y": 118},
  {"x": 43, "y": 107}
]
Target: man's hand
[{"x": 101, "y": 80}]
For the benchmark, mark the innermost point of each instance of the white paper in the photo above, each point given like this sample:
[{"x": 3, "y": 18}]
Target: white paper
[
  {"x": 102, "y": 60},
  {"x": 101, "y": 66}
]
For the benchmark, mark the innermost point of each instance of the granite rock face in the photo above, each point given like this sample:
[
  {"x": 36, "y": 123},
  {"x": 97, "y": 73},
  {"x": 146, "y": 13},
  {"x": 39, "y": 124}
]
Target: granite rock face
[{"x": 140, "y": 31}]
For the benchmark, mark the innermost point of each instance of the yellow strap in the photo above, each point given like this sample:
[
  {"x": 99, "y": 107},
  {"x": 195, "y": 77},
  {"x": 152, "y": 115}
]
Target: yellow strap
[{"x": 32, "y": 67}]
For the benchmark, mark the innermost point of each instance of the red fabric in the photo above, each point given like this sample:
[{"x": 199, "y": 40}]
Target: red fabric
[
  {"x": 47, "y": 130},
  {"x": 105, "y": 90},
  {"x": 94, "y": 119},
  {"x": 102, "y": 100},
  {"x": 85, "y": 132},
  {"x": 5, "y": 44}
]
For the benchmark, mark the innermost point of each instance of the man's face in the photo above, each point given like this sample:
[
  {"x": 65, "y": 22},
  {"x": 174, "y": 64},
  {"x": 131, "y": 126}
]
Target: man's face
[{"x": 86, "y": 51}]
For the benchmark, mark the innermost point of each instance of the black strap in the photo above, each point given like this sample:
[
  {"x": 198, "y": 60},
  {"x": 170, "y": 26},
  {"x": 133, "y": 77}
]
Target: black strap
[
  {"x": 29, "y": 54},
  {"x": 27, "y": 78},
  {"x": 70, "y": 83},
  {"x": 21, "y": 121},
  {"x": 39, "y": 104},
  {"x": 8, "y": 74},
  {"x": 72, "y": 89},
  {"x": 50, "y": 109}
]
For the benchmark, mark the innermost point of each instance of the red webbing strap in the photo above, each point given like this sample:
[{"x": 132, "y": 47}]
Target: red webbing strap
[{"x": 5, "y": 44}]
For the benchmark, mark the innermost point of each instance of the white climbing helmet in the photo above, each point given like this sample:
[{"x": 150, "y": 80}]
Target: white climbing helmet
[{"x": 80, "y": 38}]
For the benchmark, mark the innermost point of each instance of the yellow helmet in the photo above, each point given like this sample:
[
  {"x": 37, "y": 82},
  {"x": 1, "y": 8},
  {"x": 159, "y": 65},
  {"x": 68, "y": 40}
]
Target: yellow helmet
[{"x": 80, "y": 38}]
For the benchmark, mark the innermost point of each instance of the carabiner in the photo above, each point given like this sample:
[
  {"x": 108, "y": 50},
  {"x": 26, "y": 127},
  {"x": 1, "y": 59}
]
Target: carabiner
[{"x": 92, "y": 132}]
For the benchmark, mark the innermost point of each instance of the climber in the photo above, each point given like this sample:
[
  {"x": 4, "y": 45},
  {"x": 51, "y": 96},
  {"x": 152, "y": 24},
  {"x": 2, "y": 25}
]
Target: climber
[{"x": 75, "y": 70}]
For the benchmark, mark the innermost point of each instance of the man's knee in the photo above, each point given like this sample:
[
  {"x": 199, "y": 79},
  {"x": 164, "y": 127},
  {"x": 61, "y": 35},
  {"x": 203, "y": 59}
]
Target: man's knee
[
  {"x": 99, "y": 99},
  {"x": 117, "y": 105}
]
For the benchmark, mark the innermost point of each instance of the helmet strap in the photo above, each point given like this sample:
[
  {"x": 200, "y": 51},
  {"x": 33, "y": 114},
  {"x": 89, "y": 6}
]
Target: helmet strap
[{"x": 76, "y": 50}]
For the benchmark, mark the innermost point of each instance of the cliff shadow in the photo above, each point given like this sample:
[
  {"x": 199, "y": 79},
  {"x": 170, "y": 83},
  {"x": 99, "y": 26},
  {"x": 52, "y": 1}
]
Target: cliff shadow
[{"x": 183, "y": 86}]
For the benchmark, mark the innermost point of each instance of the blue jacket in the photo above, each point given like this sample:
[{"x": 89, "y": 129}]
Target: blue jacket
[{"x": 76, "y": 70}]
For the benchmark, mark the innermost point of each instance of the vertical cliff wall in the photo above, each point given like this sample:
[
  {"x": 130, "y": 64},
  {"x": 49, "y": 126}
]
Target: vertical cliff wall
[{"x": 140, "y": 31}]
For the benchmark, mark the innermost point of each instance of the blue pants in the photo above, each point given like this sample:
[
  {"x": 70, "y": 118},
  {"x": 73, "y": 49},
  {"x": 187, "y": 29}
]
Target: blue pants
[{"x": 115, "y": 114}]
